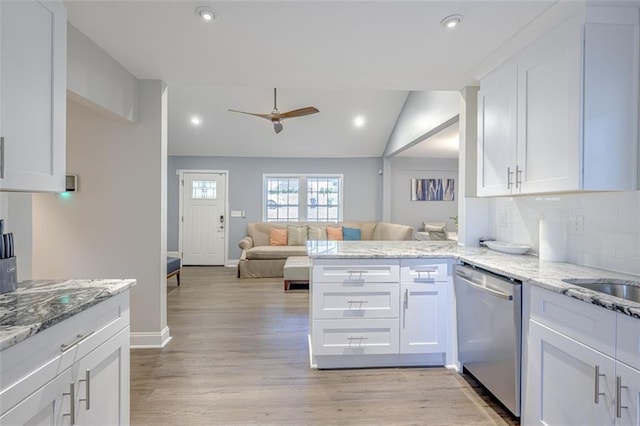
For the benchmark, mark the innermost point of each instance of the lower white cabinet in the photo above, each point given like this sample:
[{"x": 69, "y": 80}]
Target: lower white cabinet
[
  {"x": 563, "y": 377},
  {"x": 49, "y": 405},
  {"x": 627, "y": 395},
  {"x": 73, "y": 373},
  {"x": 423, "y": 327},
  {"x": 102, "y": 380},
  {"x": 378, "y": 312},
  {"x": 582, "y": 363}
]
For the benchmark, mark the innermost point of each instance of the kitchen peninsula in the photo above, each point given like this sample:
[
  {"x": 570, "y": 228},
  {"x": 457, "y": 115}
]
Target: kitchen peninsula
[
  {"x": 64, "y": 351},
  {"x": 391, "y": 303}
]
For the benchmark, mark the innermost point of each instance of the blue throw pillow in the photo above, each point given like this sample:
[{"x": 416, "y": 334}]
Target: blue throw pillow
[{"x": 351, "y": 234}]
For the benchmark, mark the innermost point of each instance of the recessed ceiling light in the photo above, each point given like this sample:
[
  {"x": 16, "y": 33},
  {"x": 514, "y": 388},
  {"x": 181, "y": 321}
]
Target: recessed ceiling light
[
  {"x": 196, "y": 121},
  {"x": 451, "y": 21},
  {"x": 359, "y": 121},
  {"x": 206, "y": 13}
]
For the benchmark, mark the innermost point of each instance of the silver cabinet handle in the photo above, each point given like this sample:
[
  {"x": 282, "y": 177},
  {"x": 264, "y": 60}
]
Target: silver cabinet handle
[
  {"x": 425, "y": 271},
  {"x": 597, "y": 392},
  {"x": 356, "y": 272},
  {"x": 87, "y": 385},
  {"x": 79, "y": 338},
  {"x": 518, "y": 177},
  {"x": 72, "y": 403},
  {"x": 358, "y": 338},
  {"x": 357, "y": 301},
  {"x": 619, "y": 405},
  {"x": 406, "y": 298},
  {"x": 509, "y": 174}
]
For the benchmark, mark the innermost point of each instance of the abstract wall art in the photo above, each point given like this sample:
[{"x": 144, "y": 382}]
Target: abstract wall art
[{"x": 432, "y": 189}]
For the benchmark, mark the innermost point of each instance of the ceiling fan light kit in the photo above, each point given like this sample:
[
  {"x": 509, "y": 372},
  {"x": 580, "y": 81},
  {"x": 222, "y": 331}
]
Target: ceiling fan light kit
[{"x": 276, "y": 116}]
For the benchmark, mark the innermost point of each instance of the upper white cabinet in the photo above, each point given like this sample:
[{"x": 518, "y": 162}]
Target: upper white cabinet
[
  {"x": 32, "y": 95},
  {"x": 562, "y": 115}
]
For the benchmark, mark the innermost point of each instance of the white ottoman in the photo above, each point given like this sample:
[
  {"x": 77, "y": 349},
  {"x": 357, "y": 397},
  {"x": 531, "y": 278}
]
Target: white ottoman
[{"x": 296, "y": 269}]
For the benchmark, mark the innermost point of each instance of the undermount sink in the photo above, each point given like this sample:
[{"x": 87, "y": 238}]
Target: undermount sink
[{"x": 623, "y": 289}]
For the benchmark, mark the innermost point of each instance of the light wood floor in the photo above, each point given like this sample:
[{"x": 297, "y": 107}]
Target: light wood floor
[{"x": 239, "y": 357}]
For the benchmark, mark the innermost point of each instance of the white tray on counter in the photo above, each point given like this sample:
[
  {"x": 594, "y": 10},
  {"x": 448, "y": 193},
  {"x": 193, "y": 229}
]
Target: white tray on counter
[{"x": 510, "y": 248}]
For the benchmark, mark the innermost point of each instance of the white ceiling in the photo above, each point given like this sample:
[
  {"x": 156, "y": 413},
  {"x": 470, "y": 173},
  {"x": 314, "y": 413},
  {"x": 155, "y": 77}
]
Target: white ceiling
[
  {"x": 444, "y": 144},
  {"x": 344, "y": 57}
]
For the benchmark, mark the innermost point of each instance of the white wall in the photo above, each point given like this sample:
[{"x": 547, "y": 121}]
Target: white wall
[
  {"x": 611, "y": 238},
  {"x": 115, "y": 225},
  {"x": 413, "y": 213},
  {"x": 423, "y": 114},
  {"x": 97, "y": 80}
]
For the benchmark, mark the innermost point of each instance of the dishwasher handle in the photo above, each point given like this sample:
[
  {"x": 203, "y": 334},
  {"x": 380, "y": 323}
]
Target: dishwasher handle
[{"x": 488, "y": 290}]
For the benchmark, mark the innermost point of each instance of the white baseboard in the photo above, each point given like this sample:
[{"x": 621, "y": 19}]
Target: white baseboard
[
  {"x": 173, "y": 253},
  {"x": 232, "y": 263},
  {"x": 150, "y": 340}
]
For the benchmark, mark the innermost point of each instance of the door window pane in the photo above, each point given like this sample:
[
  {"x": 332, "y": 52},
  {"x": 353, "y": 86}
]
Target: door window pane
[{"x": 204, "y": 190}]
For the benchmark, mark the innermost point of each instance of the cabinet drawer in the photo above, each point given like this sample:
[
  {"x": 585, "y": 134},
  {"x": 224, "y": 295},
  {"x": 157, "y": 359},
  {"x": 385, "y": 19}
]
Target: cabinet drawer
[
  {"x": 356, "y": 337},
  {"x": 356, "y": 300},
  {"x": 591, "y": 325},
  {"x": 424, "y": 270},
  {"x": 356, "y": 270},
  {"x": 628, "y": 338}
]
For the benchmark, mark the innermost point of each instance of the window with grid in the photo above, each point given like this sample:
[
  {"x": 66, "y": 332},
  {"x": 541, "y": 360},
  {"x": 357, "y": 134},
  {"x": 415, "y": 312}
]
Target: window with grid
[{"x": 284, "y": 199}]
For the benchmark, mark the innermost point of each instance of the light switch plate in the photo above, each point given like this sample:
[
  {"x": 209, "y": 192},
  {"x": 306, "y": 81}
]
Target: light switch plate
[{"x": 576, "y": 225}]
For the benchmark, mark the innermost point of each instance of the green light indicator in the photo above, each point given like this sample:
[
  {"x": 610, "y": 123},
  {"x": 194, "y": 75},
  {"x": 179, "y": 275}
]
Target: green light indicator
[{"x": 65, "y": 195}]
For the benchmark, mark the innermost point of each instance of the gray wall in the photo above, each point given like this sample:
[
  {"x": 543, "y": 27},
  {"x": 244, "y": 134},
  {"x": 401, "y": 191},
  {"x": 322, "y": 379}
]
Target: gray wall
[
  {"x": 362, "y": 188},
  {"x": 413, "y": 213}
]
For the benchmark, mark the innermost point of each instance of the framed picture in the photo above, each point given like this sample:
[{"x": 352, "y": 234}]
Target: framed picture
[{"x": 433, "y": 189}]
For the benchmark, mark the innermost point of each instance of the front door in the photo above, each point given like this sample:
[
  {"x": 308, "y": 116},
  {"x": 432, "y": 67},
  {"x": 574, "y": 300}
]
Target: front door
[{"x": 203, "y": 233}]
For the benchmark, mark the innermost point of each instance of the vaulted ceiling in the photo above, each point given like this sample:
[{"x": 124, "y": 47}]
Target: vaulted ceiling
[{"x": 346, "y": 58}]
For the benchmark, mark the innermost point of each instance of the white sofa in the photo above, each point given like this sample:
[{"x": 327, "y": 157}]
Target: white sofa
[{"x": 261, "y": 260}]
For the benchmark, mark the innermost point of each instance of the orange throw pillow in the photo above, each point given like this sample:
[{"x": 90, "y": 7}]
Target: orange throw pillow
[
  {"x": 278, "y": 237},
  {"x": 334, "y": 234}
]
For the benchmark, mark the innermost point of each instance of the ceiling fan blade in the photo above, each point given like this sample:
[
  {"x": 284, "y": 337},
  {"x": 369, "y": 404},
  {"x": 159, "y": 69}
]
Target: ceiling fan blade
[
  {"x": 265, "y": 116},
  {"x": 277, "y": 126},
  {"x": 298, "y": 112}
]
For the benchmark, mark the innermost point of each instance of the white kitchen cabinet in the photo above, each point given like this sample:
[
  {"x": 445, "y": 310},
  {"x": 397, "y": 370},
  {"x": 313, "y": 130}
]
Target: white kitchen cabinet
[
  {"x": 44, "y": 378},
  {"x": 102, "y": 396},
  {"x": 575, "y": 124},
  {"x": 32, "y": 95},
  {"x": 628, "y": 370},
  {"x": 627, "y": 395},
  {"x": 378, "y": 312},
  {"x": 497, "y": 115},
  {"x": 563, "y": 377},
  {"x": 48, "y": 405},
  {"x": 423, "y": 315},
  {"x": 573, "y": 351},
  {"x": 423, "y": 321}
]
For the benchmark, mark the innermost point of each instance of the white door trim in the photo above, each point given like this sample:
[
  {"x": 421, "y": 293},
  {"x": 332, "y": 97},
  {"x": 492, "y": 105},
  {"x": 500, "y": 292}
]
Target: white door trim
[{"x": 181, "y": 173}]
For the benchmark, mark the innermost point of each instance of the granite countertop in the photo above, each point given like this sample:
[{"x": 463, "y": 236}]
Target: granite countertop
[
  {"x": 37, "y": 305},
  {"x": 526, "y": 268}
]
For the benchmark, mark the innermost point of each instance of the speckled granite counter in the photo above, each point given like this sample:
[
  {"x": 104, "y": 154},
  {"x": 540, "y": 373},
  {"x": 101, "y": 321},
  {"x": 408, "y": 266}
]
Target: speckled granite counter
[
  {"x": 525, "y": 268},
  {"x": 37, "y": 305}
]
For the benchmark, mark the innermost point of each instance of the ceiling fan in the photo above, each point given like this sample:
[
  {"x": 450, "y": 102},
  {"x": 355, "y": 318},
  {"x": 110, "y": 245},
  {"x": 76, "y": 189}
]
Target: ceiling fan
[{"x": 276, "y": 116}]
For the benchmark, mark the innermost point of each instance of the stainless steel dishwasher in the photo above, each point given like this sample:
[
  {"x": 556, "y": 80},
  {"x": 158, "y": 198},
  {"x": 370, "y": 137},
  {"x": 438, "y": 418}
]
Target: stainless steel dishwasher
[{"x": 489, "y": 313}]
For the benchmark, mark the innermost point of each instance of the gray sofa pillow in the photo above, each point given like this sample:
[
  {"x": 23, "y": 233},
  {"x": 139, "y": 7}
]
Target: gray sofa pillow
[
  {"x": 297, "y": 235},
  {"x": 317, "y": 233}
]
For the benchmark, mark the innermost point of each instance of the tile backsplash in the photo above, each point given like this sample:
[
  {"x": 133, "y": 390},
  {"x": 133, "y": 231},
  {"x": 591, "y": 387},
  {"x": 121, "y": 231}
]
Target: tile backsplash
[{"x": 610, "y": 238}]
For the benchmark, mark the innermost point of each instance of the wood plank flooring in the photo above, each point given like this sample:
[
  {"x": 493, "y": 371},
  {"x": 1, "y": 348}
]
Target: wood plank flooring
[{"x": 239, "y": 357}]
